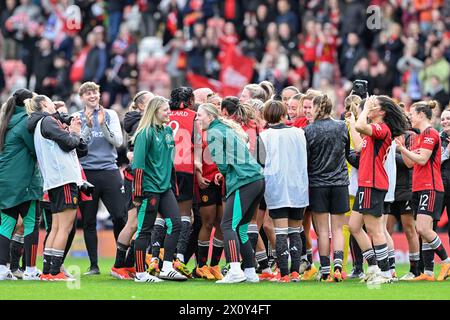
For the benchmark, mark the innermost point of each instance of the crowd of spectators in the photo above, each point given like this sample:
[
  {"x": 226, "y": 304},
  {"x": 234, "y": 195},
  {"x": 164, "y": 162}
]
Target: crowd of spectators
[{"x": 127, "y": 46}]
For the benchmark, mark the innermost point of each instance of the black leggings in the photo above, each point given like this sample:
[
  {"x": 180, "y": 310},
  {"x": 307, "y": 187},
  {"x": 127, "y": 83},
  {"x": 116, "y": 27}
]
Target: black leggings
[
  {"x": 109, "y": 188},
  {"x": 166, "y": 204},
  {"x": 192, "y": 247},
  {"x": 30, "y": 213},
  {"x": 239, "y": 209}
]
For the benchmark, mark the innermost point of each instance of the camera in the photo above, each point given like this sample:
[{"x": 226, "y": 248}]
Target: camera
[
  {"x": 87, "y": 188},
  {"x": 360, "y": 88},
  {"x": 65, "y": 118}
]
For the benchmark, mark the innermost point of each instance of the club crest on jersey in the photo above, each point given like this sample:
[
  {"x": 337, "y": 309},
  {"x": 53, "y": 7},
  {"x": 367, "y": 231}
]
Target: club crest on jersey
[
  {"x": 428, "y": 140},
  {"x": 169, "y": 140},
  {"x": 377, "y": 126}
]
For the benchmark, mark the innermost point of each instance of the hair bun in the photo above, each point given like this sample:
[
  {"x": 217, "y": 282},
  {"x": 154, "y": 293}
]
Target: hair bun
[{"x": 433, "y": 104}]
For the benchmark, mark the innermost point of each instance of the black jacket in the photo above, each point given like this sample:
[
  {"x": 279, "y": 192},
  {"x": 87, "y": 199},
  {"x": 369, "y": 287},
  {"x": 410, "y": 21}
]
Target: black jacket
[
  {"x": 130, "y": 124},
  {"x": 328, "y": 145},
  {"x": 52, "y": 129}
]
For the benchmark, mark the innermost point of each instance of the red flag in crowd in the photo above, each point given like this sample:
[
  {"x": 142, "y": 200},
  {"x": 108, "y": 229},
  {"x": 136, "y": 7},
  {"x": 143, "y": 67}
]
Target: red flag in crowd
[
  {"x": 198, "y": 81},
  {"x": 236, "y": 72}
]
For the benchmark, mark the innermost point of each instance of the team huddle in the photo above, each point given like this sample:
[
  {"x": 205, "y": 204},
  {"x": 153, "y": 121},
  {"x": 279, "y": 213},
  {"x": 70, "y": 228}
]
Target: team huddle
[{"x": 207, "y": 175}]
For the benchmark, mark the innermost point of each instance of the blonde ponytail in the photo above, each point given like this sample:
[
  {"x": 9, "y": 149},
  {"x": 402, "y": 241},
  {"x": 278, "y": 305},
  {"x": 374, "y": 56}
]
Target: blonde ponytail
[{"x": 34, "y": 104}]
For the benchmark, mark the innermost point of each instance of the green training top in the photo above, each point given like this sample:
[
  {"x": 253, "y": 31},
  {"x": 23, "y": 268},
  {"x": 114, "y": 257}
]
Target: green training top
[
  {"x": 20, "y": 178},
  {"x": 153, "y": 160},
  {"x": 232, "y": 157}
]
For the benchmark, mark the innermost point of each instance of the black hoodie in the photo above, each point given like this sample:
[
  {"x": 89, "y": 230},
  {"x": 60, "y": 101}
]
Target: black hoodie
[
  {"x": 53, "y": 129},
  {"x": 131, "y": 121},
  {"x": 130, "y": 124}
]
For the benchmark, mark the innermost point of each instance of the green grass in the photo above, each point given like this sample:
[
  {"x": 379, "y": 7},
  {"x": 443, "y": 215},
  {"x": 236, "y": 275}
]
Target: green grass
[{"x": 106, "y": 287}]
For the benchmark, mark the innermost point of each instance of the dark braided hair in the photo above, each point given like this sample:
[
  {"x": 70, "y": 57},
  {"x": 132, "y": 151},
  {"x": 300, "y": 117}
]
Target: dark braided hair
[
  {"x": 394, "y": 116},
  {"x": 181, "y": 97}
]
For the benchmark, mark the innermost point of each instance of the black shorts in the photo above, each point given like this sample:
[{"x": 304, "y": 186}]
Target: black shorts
[
  {"x": 289, "y": 213},
  {"x": 263, "y": 204},
  {"x": 386, "y": 207},
  {"x": 428, "y": 202},
  {"x": 370, "y": 201},
  {"x": 210, "y": 196},
  {"x": 185, "y": 186},
  {"x": 398, "y": 208},
  {"x": 334, "y": 200},
  {"x": 63, "y": 197},
  {"x": 128, "y": 185}
]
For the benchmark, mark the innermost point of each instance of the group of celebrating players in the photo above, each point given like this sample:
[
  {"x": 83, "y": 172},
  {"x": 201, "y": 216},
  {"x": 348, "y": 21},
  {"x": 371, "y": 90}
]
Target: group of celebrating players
[{"x": 207, "y": 171}]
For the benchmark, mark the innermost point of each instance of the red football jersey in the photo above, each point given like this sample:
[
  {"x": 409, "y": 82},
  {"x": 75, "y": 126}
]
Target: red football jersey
[
  {"x": 209, "y": 168},
  {"x": 300, "y": 122},
  {"x": 373, "y": 154},
  {"x": 428, "y": 176},
  {"x": 182, "y": 124}
]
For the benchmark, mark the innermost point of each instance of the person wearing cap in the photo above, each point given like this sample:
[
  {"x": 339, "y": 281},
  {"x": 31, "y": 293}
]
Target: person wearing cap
[
  {"x": 20, "y": 184},
  {"x": 103, "y": 134}
]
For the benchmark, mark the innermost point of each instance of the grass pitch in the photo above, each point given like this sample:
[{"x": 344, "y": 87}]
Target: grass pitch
[{"x": 107, "y": 288}]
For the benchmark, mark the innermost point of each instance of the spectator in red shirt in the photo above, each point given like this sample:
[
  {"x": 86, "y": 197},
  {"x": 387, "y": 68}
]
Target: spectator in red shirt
[
  {"x": 298, "y": 74},
  {"x": 325, "y": 54},
  {"x": 307, "y": 48}
]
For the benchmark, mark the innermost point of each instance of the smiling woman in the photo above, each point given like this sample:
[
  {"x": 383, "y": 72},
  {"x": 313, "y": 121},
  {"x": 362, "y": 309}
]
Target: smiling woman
[
  {"x": 427, "y": 186},
  {"x": 152, "y": 168}
]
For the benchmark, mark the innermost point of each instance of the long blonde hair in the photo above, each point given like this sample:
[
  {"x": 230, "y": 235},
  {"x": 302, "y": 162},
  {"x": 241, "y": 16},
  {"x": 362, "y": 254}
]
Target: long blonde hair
[
  {"x": 149, "y": 116},
  {"x": 212, "y": 111}
]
